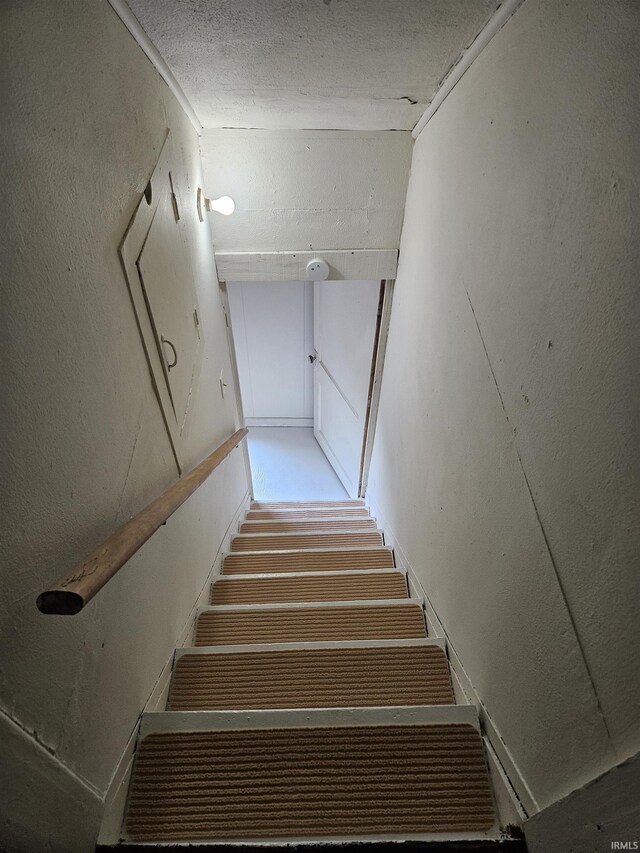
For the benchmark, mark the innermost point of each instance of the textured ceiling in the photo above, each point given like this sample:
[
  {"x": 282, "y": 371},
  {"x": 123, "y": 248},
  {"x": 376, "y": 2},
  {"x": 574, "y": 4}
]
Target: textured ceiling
[{"x": 344, "y": 64}]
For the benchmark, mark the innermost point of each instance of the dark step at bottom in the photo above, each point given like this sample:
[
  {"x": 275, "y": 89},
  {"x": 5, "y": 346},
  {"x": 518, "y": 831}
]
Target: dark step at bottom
[{"x": 507, "y": 845}]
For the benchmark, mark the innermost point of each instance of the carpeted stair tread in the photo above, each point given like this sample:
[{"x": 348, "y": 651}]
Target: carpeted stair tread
[
  {"x": 356, "y": 502},
  {"x": 301, "y": 525},
  {"x": 296, "y": 624},
  {"x": 309, "y": 782},
  {"x": 287, "y": 541},
  {"x": 327, "y": 587},
  {"x": 330, "y": 512},
  {"x": 309, "y": 561},
  {"x": 311, "y": 678}
]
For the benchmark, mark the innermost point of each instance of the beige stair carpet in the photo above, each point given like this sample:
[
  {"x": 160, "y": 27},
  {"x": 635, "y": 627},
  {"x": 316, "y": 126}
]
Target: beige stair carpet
[
  {"x": 296, "y": 624},
  {"x": 348, "y": 587},
  {"x": 311, "y": 678},
  {"x": 287, "y": 541},
  {"x": 350, "y": 512},
  {"x": 292, "y": 783},
  {"x": 309, "y": 561},
  {"x": 302, "y": 525},
  {"x": 303, "y": 504}
]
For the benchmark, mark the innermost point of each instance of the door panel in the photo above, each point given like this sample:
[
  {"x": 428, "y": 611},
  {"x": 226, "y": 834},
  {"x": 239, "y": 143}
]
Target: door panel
[
  {"x": 157, "y": 263},
  {"x": 272, "y": 333},
  {"x": 337, "y": 430},
  {"x": 345, "y": 318},
  {"x": 167, "y": 280}
]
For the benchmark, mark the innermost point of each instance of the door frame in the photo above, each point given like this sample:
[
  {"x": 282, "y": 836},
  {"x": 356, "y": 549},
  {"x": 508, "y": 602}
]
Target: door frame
[
  {"x": 387, "y": 287},
  {"x": 235, "y": 375}
]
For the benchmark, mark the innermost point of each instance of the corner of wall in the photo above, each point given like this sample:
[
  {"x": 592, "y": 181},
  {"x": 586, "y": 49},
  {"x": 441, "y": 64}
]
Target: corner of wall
[
  {"x": 515, "y": 800},
  {"x": 37, "y": 793}
]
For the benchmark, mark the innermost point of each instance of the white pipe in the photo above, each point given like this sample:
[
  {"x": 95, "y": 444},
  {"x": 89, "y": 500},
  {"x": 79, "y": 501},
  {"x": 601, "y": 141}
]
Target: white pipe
[
  {"x": 130, "y": 21},
  {"x": 495, "y": 23}
]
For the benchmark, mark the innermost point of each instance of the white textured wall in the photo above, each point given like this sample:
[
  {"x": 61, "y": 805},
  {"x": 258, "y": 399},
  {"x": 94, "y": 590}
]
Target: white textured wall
[
  {"x": 307, "y": 189},
  {"x": 286, "y": 63},
  {"x": 506, "y": 457},
  {"x": 84, "y": 116}
]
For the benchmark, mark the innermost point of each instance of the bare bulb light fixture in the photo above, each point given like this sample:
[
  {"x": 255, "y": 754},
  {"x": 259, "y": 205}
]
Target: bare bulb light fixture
[{"x": 224, "y": 205}]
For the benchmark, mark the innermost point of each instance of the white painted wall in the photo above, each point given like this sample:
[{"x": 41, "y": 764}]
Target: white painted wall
[
  {"x": 84, "y": 446},
  {"x": 307, "y": 189},
  {"x": 506, "y": 456},
  {"x": 273, "y": 335}
]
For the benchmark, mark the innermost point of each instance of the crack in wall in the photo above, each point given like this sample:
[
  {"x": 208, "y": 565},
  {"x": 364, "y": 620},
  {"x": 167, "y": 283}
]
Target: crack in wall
[
  {"x": 129, "y": 466},
  {"x": 561, "y": 587},
  {"x": 50, "y": 753}
]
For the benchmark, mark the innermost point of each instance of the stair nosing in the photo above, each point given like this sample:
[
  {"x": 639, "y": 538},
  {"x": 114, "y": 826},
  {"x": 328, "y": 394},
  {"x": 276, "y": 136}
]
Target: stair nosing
[
  {"x": 323, "y": 519},
  {"x": 255, "y": 504},
  {"x": 311, "y": 533},
  {"x": 242, "y": 648},
  {"x": 391, "y": 715},
  {"x": 311, "y": 574},
  {"x": 312, "y": 605},
  {"x": 339, "y": 550}
]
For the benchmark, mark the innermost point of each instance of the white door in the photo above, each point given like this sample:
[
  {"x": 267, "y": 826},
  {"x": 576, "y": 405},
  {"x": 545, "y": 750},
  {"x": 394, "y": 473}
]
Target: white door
[
  {"x": 167, "y": 279},
  {"x": 344, "y": 330},
  {"x": 273, "y": 335},
  {"x": 155, "y": 256}
]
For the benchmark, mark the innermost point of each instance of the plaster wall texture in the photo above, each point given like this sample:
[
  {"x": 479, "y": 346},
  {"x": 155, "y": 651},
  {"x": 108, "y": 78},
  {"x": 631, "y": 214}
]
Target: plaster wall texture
[
  {"x": 506, "y": 455},
  {"x": 84, "y": 446},
  {"x": 307, "y": 189},
  {"x": 287, "y": 64}
]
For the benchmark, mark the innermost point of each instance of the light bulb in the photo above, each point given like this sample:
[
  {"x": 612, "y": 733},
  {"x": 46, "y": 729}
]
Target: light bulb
[{"x": 224, "y": 205}]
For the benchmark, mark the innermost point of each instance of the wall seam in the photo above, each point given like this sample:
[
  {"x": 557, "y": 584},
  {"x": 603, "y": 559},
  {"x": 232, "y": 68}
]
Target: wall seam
[
  {"x": 528, "y": 803},
  {"x": 154, "y": 56},
  {"x": 556, "y": 572},
  {"x": 504, "y": 12},
  {"x": 32, "y": 736}
]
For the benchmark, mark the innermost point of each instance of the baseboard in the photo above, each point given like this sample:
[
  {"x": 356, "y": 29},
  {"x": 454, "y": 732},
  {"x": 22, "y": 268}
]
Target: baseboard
[
  {"x": 278, "y": 422},
  {"x": 116, "y": 796},
  {"x": 515, "y": 801}
]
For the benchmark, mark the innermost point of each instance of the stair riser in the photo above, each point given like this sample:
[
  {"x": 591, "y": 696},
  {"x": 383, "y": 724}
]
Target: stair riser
[
  {"x": 385, "y": 675},
  {"x": 347, "y": 560},
  {"x": 340, "y": 623},
  {"x": 343, "y": 587},
  {"x": 292, "y": 514},
  {"x": 337, "y": 525},
  {"x": 277, "y": 505},
  {"x": 290, "y": 541}
]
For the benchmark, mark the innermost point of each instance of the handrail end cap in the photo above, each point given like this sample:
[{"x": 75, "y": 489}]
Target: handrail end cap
[{"x": 60, "y": 602}]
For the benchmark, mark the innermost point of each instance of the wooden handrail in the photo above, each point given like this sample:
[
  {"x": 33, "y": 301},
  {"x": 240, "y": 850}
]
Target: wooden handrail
[{"x": 73, "y": 590}]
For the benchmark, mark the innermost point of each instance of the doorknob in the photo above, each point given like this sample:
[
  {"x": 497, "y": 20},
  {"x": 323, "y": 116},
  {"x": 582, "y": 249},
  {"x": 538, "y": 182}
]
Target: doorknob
[
  {"x": 312, "y": 358},
  {"x": 175, "y": 354}
]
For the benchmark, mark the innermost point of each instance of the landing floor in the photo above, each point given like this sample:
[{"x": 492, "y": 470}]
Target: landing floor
[{"x": 288, "y": 464}]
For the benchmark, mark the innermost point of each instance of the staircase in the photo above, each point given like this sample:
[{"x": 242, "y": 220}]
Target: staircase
[{"x": 312, "y": 707}]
